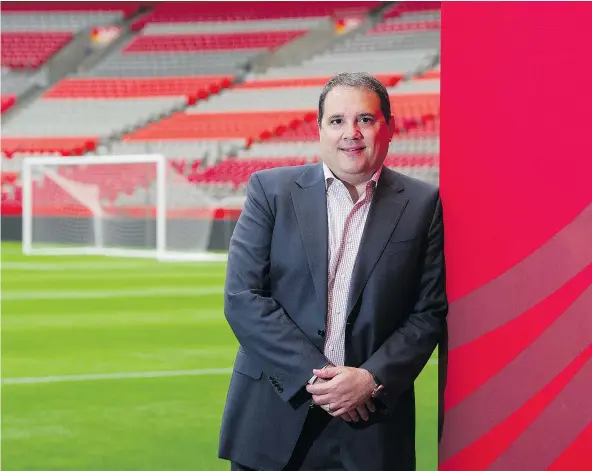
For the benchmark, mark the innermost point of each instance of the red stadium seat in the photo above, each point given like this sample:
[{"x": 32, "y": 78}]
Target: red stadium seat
[
  {"x": 7, "y": 102},
  {"x": 215, "y": 125},
  {"x": 388, "y": 80},
  {"x": 63, "y": 145},
  {"x": 414, "y": 26},
  {"x": 8, "y": 178},
  {"x": 211, "y": 42},
  {"x": 412, "y": 7},
  {"x": 29, "y": 50},
  {"x": 134, "y": 87},
  {"x": 420, "y": 160},
  {"x": 24, "y": 7},
  {"x": 236, "y": 172},
  {"x": 181, "y": 12}
]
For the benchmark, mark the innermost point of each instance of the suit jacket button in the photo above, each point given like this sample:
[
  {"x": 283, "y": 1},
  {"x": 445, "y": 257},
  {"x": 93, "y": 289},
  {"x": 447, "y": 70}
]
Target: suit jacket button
[{"x": 321, "y": 333}]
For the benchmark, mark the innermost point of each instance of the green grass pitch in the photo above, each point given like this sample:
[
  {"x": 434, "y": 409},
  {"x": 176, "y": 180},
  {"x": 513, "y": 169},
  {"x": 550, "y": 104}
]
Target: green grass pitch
[{"x": 160, "y": 326}]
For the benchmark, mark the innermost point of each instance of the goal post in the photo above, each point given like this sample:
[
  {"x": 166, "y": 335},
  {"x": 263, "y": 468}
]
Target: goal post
[{"x": 115, "y": 205}]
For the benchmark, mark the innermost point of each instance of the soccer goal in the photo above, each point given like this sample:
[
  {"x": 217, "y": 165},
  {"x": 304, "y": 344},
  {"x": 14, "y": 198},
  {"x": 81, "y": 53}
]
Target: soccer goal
[{"x": 116, "y": 205}]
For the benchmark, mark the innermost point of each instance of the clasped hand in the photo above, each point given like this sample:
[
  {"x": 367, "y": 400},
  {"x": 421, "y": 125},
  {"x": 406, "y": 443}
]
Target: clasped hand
[{"x": 344, "y": 392}]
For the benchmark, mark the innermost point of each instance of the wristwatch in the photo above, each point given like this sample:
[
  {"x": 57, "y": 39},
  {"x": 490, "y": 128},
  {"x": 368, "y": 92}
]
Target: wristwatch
[{"x": 315, "y": 377}]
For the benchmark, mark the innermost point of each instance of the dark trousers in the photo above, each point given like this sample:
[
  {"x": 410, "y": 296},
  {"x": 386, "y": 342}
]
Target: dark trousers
[{"x": 317, "y": 448}]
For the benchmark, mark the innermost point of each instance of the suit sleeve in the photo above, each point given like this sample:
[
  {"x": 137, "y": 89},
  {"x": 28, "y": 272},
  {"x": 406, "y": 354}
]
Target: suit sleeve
[
  {"x": 400, "y": 359},
  {"x": 261, "y": 325}
]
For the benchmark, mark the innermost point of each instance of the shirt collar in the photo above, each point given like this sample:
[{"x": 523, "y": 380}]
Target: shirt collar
[{"x": 330, "y": 177}]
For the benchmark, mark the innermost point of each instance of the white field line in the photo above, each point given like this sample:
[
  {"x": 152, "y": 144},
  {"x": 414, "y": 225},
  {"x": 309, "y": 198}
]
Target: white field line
[
  {"x": 11, "y": 248},
  {"x": 92, "y": 317},
  {"x": 144, "y": 374},
  {"x": 102, "y": 294},
  {"x": 107, "y": 376},
  {"x": 117, "y": 273},
  {"x": 95, "y": 266},
  {"x": 98, "y": 319}
]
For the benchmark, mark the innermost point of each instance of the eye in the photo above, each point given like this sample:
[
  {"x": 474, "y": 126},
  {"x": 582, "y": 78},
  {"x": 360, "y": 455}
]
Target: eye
[
  {"x": 335, "y": 121},
  {"x": 367, "y": 119}
]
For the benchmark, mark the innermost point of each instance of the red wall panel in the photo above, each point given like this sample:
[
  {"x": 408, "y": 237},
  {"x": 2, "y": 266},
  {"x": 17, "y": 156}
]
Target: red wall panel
[{"x": 516, "y": 181}]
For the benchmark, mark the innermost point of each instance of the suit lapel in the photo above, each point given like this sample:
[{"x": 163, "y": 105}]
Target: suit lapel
[
  {"x": 310, "y": 205},
  {"x": 385, "y": 212}
]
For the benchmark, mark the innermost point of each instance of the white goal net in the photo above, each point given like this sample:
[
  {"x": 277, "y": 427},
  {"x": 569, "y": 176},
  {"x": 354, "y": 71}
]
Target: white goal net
[{"x": 127, "y": 206}]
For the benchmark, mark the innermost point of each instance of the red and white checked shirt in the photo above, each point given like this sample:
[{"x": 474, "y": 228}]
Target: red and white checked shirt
[{"x": 346, "y": 221}]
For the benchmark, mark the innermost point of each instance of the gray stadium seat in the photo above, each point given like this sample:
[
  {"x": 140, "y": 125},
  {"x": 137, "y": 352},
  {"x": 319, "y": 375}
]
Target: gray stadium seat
[
  {"x": 173, "y": 64},
  {"x": 232, "y": 26},
  {"x": 82, "y": 117},
  {"x": 52, "y": 21}
]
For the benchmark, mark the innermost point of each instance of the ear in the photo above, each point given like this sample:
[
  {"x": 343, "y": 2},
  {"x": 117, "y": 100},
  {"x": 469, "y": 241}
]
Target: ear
[{"x": 391, "y": 126}]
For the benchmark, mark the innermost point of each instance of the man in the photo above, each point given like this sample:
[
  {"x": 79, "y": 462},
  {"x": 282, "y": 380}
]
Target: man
[{"x": 336, "y": 292}]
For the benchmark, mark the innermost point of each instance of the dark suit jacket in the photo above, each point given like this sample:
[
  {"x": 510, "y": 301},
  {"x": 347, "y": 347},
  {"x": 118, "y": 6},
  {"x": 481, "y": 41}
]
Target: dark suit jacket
[{"x": 276, "y": 304}]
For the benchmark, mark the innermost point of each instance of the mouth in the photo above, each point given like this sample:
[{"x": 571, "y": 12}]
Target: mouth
[{"x": 352, "y": 149}]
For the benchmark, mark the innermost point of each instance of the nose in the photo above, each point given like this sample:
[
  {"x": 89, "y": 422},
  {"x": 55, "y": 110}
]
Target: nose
[{"x": 352, "y": 131}]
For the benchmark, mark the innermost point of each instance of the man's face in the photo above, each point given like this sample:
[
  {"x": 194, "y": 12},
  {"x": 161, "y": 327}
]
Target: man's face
[{"x": 354, "y": 135}]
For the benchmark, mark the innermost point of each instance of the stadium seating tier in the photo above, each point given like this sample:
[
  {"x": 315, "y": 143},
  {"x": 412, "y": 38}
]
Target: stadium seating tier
[
  {"x": 30, "y": 50},
  {"x": 110, "y": 88},
  {"x": 171, "y": 12},
  {"x": 210, "y": 42}
]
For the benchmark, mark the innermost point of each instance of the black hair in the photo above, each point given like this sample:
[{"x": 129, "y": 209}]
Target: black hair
[{"x": 356, "y": 80}]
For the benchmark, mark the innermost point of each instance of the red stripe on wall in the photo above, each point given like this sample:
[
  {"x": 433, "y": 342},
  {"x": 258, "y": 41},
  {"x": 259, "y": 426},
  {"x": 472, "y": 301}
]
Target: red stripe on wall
[
  {"x": 515, "y": 171},
  {"x": 578, "y": 457},
  {"x": 492, "y": 352},
  {"x": 480, "y": 455}
]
